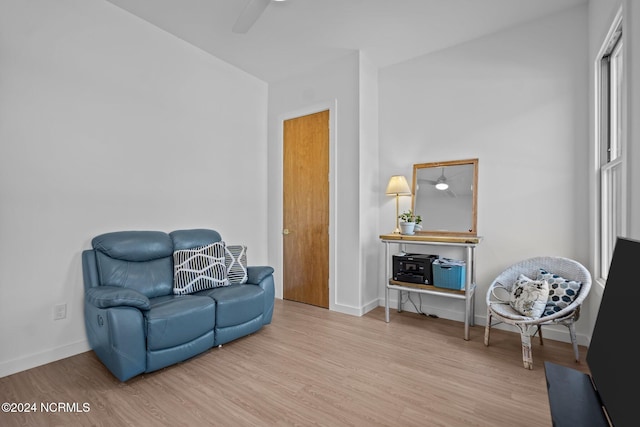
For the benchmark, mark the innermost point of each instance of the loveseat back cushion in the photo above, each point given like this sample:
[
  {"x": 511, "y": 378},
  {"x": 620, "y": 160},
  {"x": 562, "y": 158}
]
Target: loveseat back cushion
[
  {"x": 194, "y": 238},
  {"x": 139, "y": 260}
]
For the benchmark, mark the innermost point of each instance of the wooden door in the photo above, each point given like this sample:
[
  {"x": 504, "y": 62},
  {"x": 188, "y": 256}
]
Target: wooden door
[{"x": 306, "y": 209}]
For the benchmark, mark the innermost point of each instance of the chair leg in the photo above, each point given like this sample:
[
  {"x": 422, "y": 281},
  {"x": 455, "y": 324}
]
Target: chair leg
[
  {"x": 574, "y": 341},
  {"x": 527, "y": 357},
  {"x": 487, "y": 328},
  {"x": 540, "y": 334}
]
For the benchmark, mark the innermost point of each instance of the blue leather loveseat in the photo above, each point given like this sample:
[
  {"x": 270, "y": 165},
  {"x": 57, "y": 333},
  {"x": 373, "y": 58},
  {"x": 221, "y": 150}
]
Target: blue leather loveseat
[{"x": 135, "y": 322}]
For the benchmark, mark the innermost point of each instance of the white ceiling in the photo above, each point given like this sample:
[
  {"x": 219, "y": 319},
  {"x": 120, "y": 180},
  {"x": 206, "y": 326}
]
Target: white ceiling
[{"x": 296, "y": 35}]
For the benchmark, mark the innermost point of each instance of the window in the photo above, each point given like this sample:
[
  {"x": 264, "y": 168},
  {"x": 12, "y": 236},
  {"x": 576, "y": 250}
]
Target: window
[{"x": 610, "y": 80}]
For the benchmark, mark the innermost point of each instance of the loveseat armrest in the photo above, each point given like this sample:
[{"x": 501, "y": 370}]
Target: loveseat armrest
[
  {"x": 255, "y": 274},
  {"x": 115, "y": 296},
  {"x": 89, "y": 269},
  {"x": 263, "y": 276}
]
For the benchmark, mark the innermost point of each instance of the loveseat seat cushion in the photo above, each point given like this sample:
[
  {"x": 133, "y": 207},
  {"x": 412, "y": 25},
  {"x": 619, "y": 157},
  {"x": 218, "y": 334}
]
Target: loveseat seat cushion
[
  {"x": 177, "y": 319},
  {"x": 236, "y": 304}
]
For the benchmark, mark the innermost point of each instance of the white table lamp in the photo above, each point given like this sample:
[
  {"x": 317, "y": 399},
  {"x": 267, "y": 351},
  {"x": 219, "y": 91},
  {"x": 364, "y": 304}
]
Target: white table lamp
[{"x": 398, "y": 186}]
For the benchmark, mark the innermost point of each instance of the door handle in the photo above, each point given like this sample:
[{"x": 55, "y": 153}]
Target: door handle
[{"x": 285, "y": 231}]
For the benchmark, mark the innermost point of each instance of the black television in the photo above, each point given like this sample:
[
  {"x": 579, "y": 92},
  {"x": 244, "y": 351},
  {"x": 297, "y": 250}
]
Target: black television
[
  {"x": 610, "y": 356},
  {"x": 608, "y": 396}
]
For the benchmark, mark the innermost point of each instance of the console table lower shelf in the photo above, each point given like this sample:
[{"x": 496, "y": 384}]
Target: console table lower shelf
[{"x": 467, "y": 296}]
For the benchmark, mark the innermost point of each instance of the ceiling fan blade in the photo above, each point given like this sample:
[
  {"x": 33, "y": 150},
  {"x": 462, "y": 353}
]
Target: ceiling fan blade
[
  {"x": 428, "y": 181},
  {"x": 249, "y": 15}
]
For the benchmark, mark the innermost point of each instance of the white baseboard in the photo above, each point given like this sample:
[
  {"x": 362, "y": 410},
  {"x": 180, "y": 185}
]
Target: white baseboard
[
  {"x": 552, "y": 332},
  {"x": 38, "y": 359},
  {"x": 355, "y": 311},
  {"x": 368, "y": 307}
]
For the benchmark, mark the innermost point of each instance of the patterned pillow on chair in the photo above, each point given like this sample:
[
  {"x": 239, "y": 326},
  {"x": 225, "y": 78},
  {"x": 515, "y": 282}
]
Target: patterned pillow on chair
[
  {"x": 529, "y": 297},
  {"x": 562, "y": 291}
]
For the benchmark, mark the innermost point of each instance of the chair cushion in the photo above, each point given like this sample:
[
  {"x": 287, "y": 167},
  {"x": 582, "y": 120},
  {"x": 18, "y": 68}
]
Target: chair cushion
[
  {"x": 508, "y": 312},
  {"x": 562, "y": 291},
  {"x": 236, "y": 263},
  {"x": 529, "y": 297},
  {"x": 178, "y": 319},
  {"x": 236, "y": 304},
  {"x": 199, "y": 268}
]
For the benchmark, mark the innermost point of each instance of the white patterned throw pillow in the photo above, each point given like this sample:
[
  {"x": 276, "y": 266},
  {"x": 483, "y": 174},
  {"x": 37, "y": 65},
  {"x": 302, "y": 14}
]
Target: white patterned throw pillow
[
  {"x": 236, "y": 263},
  {"x": 529, "y": 297},
  {"x": 562, "y": 291},
  {"x": 199, "y": 268}
]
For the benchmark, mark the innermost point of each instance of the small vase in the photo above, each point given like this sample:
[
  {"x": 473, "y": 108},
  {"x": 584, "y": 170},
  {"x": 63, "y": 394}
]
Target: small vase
[{"x": 407, "y": 228}]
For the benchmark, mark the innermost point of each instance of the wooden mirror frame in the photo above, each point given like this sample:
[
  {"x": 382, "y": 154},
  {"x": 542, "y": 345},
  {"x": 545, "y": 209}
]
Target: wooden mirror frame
[{"x": 472, "y": 231}]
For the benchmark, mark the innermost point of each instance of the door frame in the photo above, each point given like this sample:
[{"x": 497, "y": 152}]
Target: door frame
[{"x": 311, "y": 109}]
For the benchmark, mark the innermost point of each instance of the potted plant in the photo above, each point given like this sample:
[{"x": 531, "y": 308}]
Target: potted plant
[
  {"x": 409, "y": 221},
  {"x": 418, "y": 226}
]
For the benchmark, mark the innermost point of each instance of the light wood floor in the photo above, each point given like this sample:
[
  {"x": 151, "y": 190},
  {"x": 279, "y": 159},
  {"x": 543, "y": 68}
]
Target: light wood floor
[{"x": 311, "y": 366}]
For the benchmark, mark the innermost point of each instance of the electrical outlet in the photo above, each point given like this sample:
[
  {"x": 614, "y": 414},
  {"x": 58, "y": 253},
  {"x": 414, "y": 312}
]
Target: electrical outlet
[{"x": 59, "y": 311}]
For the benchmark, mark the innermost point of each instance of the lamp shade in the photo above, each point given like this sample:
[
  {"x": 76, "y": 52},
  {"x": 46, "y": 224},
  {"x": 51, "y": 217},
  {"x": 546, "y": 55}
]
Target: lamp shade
[{"x": 398, "y": 186}]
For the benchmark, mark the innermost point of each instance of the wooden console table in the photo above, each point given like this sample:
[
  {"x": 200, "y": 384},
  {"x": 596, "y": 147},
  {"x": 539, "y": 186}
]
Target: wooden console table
[{"x": 468, "y": 243}]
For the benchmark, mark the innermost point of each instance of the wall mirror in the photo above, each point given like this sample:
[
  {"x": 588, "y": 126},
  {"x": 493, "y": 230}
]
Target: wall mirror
[{"x": 445, "y": 195}]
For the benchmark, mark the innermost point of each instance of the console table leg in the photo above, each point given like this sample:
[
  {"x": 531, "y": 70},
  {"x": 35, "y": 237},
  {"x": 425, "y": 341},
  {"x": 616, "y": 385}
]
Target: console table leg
[
  {"x": 386, "y": 282},
  {"x": 472, "y": 318},
  {"x": 467, "y": 289},
  {"x": 386, "y": 304},
  {"x": 466, "y": 327}
]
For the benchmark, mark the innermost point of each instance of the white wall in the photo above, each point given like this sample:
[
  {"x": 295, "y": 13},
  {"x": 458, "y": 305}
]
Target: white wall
[
  {"x": 632, "y": 40},
  {"x": 333, "y": 86},
  {"x": 349, "y": 88},
  {"x": 369, "y": 185},
  {"x": 517, "y": 101},
  {"x": 108, "y": 123}
]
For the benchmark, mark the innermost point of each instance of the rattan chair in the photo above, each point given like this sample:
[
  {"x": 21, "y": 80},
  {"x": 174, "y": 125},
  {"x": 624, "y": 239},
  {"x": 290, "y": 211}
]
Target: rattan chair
[{"x": 499, "y": 312}]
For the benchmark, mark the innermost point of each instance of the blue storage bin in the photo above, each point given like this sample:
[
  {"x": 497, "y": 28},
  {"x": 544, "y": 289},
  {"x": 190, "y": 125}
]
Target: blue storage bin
[{"x": 449, "y": 273}]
